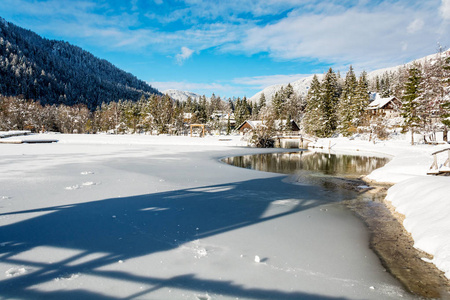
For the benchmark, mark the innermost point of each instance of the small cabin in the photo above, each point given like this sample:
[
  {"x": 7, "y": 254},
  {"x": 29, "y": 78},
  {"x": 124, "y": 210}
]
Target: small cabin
[{"x": 389, "y": 106}]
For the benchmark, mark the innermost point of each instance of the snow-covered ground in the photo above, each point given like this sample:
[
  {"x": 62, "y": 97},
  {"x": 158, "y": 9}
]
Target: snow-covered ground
[{"x": 145, "y": 217}]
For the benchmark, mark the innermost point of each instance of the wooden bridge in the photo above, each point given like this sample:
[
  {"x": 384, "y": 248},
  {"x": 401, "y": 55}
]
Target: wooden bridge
[{"x": 443, "y": 169}]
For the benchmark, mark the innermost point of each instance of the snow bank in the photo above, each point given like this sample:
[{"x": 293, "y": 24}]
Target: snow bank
[
  {"x": 425, "y": 202},
  {"x": 423, "y": 199}
]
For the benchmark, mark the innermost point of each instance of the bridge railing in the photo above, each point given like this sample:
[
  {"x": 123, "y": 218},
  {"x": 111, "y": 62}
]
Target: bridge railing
[{"x": 435, "y": 169}]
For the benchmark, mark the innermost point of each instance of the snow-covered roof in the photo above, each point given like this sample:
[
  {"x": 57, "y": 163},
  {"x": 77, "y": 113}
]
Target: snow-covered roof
[
  {"x": 255, "y": 124},
  {"x": 380, "y": 102}
]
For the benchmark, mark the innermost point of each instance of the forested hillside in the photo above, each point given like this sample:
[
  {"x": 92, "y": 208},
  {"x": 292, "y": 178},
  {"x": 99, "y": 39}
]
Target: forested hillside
[{"x": 56, "y": 72}]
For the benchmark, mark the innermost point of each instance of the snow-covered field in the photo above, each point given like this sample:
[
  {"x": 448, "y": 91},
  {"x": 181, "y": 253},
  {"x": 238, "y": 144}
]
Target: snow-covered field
[{"x": 144, "y": 217}]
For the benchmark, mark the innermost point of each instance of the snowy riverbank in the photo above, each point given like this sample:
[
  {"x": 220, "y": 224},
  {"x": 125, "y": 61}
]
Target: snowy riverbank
[
  {"x": 109, "y": 217},
  {"x": 424, "y": 200}
]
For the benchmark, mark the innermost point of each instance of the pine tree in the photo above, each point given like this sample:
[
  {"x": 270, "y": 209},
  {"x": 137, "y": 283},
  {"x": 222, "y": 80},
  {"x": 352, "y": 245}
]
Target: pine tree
[
  {"x": 202, "y": 111},
  {"x": 433, "y": 93},
  {"x": 228, "y": 125},
  {"x": 361, "y": 101},
  {"x": 277, "y": 103},
  {"x": 330, "y": 100},
  {"x": 239, "y": 112},
  {"x": 411, "y": 100},
  {"x": 385, "y": 86},
  {"x": 255, "y": 110},
  {"x": 291, "y": 106},
  {"x": 262, "y": 101},
  {"x": 445, "y": 116},
  {"x": 312, "y": 119},
  {"x": 347, "y": 102}
]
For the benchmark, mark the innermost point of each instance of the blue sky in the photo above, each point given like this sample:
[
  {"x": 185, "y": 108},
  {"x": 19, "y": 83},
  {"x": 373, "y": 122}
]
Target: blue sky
[{"x": 236, "y": 48}]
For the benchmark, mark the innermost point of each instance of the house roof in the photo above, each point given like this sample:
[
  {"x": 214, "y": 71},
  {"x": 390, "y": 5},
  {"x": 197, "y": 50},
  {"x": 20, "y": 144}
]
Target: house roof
[
  {"x": 379, "y": 102},
  {"x": 255, "y": 124}
]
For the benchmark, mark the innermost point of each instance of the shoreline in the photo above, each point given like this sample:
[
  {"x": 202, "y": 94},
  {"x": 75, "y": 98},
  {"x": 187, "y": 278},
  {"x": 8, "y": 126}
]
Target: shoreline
[
  {"x": 390, "y": 241},
  {"x": 394, "y": 245}
]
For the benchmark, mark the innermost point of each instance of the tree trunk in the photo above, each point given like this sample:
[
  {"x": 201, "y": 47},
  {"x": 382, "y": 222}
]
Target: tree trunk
[
  {"x": 412, "y": 137},
  {"x": 445, "y": 137}
]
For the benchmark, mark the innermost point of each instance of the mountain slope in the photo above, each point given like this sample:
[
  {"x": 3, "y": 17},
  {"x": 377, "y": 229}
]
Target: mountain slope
[
  {"x": 56, "y": 72},
  {"x": 181, "y": 96},
  {"x": 301, "y": 86}
]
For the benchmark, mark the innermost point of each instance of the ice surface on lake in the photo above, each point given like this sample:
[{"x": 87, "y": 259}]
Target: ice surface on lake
[{"x": 194, "y": 235}]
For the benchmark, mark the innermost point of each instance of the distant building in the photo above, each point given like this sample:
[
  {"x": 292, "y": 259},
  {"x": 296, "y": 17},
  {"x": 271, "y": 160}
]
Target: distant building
[
  {"x": 187, "y": 118},
  {"x": 389, "y": 107}
]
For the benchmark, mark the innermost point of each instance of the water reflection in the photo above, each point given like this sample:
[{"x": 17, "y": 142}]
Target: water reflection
[{"x": 324, "y": 163}]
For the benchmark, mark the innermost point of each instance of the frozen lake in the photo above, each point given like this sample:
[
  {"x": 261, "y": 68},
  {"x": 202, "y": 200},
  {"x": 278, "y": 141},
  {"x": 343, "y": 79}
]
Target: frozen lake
[{"x": 126, "y": 220}]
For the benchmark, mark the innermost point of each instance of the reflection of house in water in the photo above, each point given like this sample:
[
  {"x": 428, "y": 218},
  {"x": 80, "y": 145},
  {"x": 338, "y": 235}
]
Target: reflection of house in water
[
  {"x": 389, "y": 107},
  {"x": 326, "y": 163}
]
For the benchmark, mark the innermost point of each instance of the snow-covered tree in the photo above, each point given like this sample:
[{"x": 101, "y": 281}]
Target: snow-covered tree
[
  {"x": 411, "y": 101},
  {"x": 345, "y": 111},
  {"x": 330, "y": 92},
  {"x": 313, "y": 118},
  {"x": 445, "y": 116},
  {"x": 262, "y": 101},
  {"x": 278, "y": 103}
]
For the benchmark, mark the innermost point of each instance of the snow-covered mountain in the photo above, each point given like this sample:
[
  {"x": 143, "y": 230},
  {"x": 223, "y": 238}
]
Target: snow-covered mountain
[
  {"x": 302, "y": 85},
  {"x": 56, "y": 72},
  {"x": 181, "y": 95},
  {"x": 422, "y": 60}
]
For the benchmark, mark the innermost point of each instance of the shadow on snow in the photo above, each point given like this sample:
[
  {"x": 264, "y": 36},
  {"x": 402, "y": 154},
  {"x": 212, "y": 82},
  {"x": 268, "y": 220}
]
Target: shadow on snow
[{"x": 146, "y": 224}]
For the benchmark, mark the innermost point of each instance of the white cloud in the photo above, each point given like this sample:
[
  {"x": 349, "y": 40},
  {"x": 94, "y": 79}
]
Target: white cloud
[
  {"x": 445, "y": 9},
  {"x": 374, "y": 37},
  {"x": 367, "y": 33},
  {"x": 134, "y": 5},
  {"x": 262, "y": 82},
  {"x": 415, "y": 26},
  {"x": 185, "y": 54}
]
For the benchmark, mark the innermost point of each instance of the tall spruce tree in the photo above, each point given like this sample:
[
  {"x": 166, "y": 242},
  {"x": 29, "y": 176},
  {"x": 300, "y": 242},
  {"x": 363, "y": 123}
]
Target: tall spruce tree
[
  {"x": 411, "y": 100},
  {"x": 312, "y": 119},
  {"x": 277, "y": 103},
  {"x": 241, "y": 112},
  {"x": 445, "y": 116},
  {"x": 347, "y": 101},
  {"x": 330, "y": 100},
  {"x": 290, "y": 108},
  {"x": 362, "y": 100},
  {"x": 262, "y": 101}
]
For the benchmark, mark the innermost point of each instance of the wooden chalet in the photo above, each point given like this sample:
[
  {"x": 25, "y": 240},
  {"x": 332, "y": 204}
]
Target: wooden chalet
[{"x": 389, "y": 107}]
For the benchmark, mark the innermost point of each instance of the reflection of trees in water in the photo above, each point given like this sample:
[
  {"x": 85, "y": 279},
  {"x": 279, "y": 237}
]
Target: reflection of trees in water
[{"x": 288, "y": 163}]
